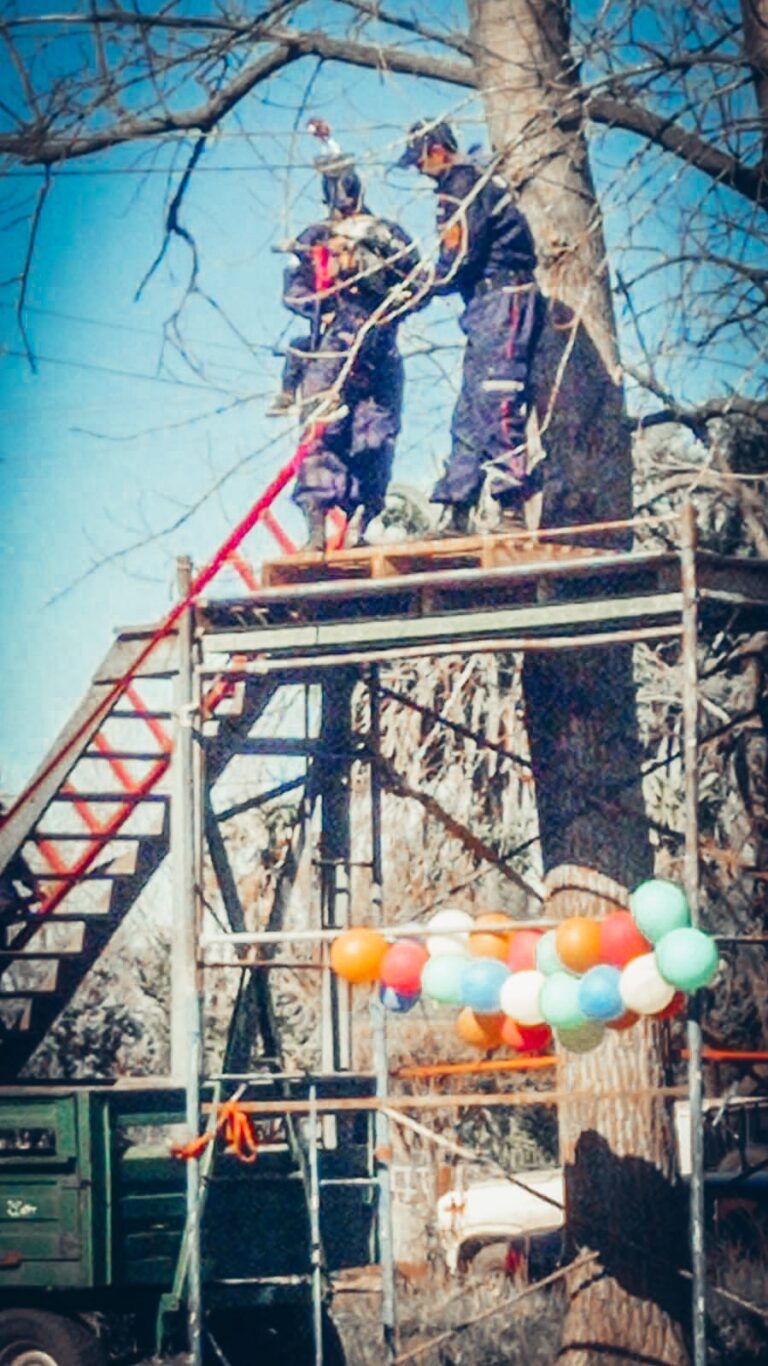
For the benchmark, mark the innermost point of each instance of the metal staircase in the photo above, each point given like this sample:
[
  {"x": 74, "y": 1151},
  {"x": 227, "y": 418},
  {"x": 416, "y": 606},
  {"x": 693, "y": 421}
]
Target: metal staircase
[
  {"x": 92, "y": 840},
  {"x": 92, "y": 826}
]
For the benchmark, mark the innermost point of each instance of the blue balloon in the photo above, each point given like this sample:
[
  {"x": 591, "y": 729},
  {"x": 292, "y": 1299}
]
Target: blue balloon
[
  {"x": 393, "y": 1000},
  {"x": 481, "y": 983},
  {"x": 599, "y": 996}
]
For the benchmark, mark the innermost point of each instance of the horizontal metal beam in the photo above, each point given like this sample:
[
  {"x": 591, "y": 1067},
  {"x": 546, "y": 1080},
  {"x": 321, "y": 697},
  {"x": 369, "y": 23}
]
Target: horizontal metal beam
[
  {"x": 462, "y": 629},
  {"x": 310, "y": 668},
  {"x": 297, "y": 745}
]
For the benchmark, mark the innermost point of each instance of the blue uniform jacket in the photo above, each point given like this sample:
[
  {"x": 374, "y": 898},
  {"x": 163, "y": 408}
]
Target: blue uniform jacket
[{"x": 482, "y": 235}]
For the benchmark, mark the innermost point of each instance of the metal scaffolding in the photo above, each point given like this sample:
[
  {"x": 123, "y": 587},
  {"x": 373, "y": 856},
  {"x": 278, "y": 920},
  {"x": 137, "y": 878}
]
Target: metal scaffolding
[
  {"x": 564, "y": 590},
  {"x": 338, "y": 633}
]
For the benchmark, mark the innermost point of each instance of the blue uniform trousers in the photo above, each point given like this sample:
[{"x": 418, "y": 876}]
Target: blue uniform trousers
[
  {"x": 352, "y": 462},
  {"x": 502, "y": 327}
]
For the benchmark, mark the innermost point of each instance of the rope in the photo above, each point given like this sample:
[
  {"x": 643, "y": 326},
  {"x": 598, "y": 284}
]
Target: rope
[{"x": 234, "y": 1125}]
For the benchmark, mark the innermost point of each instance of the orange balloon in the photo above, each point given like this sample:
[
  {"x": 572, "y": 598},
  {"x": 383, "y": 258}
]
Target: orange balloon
[
  {"x": 356, "y": 954},
  {"x": 491, "y": 945},
  {"x": 481, "y": 1031},
  {"x": 577, "y": 941},
  {"x": 624, "y": 1021}
]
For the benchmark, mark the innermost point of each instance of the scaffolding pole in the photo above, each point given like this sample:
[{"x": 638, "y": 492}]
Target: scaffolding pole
[
  {"x": 315, "y": 1242},
  {"x": 333, "y": 783},
  {"x": 185, "y": 1018},
  {"x": 690, "y": 702},
  {"x": 379, "y": 1031}
]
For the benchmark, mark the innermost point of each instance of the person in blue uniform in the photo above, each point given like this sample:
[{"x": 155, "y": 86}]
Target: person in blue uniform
[
  {"x": 345, "y": 282},
  {"x": 488, "y": 257}
]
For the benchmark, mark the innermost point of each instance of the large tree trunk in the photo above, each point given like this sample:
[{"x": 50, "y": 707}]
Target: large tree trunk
[
  {"x": 754, "y": 16},
  {"x": 528, "y": 78},
  {"x": 626, "y": 1304}
]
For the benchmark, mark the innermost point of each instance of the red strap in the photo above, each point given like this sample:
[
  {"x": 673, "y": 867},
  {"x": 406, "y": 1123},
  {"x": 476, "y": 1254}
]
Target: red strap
[{"x": 321, "y": 260}]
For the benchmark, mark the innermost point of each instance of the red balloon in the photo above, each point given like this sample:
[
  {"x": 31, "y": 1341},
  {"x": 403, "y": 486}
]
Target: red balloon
[
  {"x": 624, "y": 1021},
  {"x": 402, "y": 965},
  {"x": 521, "y": 954},
  {"x": 675, "y": 1007},
  {"x": 621, "y": 940},
  {"x": 525, "y": 1038}
]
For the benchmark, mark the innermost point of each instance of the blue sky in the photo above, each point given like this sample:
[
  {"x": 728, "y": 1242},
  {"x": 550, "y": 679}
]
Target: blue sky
[{"x": 116, "y": 438}]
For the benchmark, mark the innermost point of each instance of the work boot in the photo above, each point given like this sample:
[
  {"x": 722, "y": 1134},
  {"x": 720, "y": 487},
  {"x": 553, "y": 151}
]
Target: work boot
[
  {"x": 282, "y": 404},
  {"x": 316, "y": 529},
  {"x": 454, "y": 521},
  {"x": 355, "y": 531},
  {"x": 511, "y": 518}
]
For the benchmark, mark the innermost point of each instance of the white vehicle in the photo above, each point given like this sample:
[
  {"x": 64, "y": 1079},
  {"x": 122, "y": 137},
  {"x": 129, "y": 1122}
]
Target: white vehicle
[
  {"x": 501, "y": 1225},
  {"x": 515, "y": 1225}
]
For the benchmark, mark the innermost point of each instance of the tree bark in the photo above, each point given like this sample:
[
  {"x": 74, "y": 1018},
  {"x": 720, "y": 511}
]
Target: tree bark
[
  {"x": 531, "y": 93},
  {"x": 627, "y": 1305},
  {"x": 754, "y": 17}
]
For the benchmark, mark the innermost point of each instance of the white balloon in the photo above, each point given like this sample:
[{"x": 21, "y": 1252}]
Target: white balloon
[
  {"x": 454, "y": 925},
  {"x": 520, "y": 994},
  {"x": 642, "y": 987}
]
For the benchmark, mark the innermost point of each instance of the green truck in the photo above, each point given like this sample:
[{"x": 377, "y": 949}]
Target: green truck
[{"x": 92, "y": 1219}]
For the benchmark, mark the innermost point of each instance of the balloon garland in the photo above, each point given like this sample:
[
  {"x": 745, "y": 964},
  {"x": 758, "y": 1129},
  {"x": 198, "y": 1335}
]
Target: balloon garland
[{"x": 516, "y": 987}]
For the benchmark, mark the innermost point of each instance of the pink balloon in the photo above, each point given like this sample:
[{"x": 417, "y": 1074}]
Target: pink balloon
[
  {"x": 521, "y": 956},
  {"x": 402, "y": 965}
]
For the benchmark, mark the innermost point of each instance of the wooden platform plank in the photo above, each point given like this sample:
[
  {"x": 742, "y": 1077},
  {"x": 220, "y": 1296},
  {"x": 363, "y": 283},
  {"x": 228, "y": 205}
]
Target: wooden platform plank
[{"x": 418, "y": 557}]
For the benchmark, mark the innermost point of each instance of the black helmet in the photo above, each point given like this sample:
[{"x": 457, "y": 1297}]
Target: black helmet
[
  {"x": 424, "y": 135},
  {"x": 342, "y": 191}
]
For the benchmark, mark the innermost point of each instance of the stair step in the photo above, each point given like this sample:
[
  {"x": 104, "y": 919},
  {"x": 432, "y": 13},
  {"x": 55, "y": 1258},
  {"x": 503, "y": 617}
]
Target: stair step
[
  {"x": 60, "y": 917},
  {"x": 122, "y": 797},
  {"x": 93, "y": 875},
  {"x": 27, "y": 993},
  {"x": 126, "y": 713},
  {"x": 140, "y": 756},
  {"x": 39, "y": 955},
  {"x": 85, "y": 836}
]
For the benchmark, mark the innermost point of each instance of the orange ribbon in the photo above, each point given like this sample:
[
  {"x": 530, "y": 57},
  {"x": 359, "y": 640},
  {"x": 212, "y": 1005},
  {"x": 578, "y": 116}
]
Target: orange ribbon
[{"x": 234, "y": 1125}]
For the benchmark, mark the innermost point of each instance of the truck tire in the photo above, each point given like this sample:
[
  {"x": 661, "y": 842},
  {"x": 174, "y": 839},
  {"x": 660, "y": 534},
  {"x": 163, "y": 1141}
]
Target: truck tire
[
  {"x": 31, "y": 1337},
  {"x": 489, "y": 1266}
]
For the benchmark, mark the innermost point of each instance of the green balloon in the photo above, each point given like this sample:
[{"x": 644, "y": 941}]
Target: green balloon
[
  {"x": 659, "y": 906},
  {"x": 559, "y": 1001},
  {"x": 441, "y": 978},
  {"x": 687, "y": 958},
  {"x": 582, "y": 1039},
  {"x": 547, "y": 960}
]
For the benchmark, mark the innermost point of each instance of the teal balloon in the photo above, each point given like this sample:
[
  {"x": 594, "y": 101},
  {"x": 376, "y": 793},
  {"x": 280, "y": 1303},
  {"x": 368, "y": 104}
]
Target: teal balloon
[
  {"x": 687, "y": 958},
  {"x": 481, "y": 983},
  {"x": 441, "y": 978},
  {"x": 559, "y": 1001},
  {"x": 582, "y": 1039},
  {"x": 599, "y": 995},
  {"x": 547, "y": 960},
  {"x": 658, "y": 907}
]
